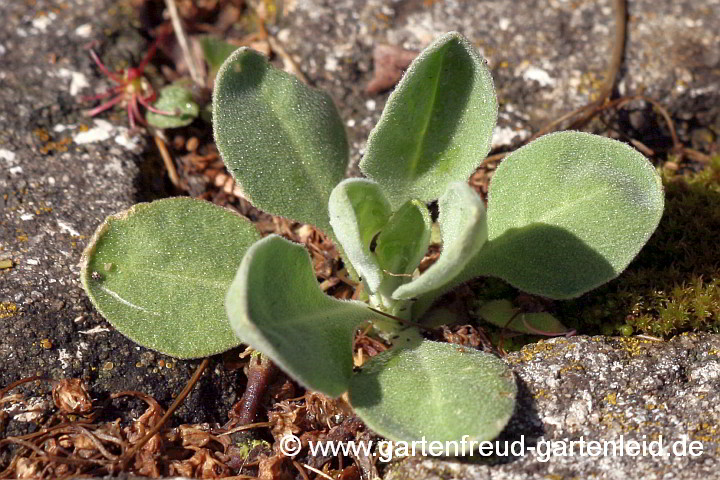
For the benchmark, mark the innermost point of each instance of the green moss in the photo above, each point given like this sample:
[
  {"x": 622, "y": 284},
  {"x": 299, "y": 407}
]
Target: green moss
[
  {"x": 674, "y": 284},
  {"x": 251, "y": 445}
]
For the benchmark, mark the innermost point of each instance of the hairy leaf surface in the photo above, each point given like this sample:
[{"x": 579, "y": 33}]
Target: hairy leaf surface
[
  {"x": 275, "y": 305},
  {"x": 177, "y": 99},
  {"x": 437, "y": 124},
  {"x": 463, "y": 225},
  {"x": 434, "y": 390},
  {"x": 502, "y": 314},
  {"x": 404, "y": 240},
  {"x": 568, "y": 212},
  {"x": 358, "y": 210},
  {"x": 159, "y": 271},
  {"x": 283, "y": 142}
]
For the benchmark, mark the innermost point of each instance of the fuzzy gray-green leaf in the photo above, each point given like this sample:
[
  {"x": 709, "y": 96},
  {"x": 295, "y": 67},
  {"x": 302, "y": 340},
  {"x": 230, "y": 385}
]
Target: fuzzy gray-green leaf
[
  {"x": 358, "y": 210},
  {"x": 502, "y": 314},
  {"x": 177, "y": 99},
  {"x": 437, "y": 124},
  {"x": 275, "y": 305},
  {"x": 436, "y": 391},
  {"x": 402, "y": 244},
  {"x": 568, "y": 212},
  {"x": 463, "y": 224},
  {"x": 158, "y": 272},
  {"x": 404, "y": 240},
  {"x": 283, "y": 142}
]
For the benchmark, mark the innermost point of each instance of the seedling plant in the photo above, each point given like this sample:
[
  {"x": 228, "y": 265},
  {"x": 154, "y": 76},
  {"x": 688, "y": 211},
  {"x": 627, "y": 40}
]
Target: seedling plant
[
  {"x": 565, "y": 214},
  {"x": 174, "y": 107}
]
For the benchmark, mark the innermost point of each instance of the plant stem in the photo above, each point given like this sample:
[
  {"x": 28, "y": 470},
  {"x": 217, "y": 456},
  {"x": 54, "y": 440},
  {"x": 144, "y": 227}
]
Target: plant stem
[{"x": 260, "y": 373}]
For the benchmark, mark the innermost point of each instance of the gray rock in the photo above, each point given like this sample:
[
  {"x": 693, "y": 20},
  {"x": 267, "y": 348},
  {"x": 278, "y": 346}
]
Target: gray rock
[
  {"x": 605, "y": 390},
  {"x": 547, "y": 58},
  {"x": 61, "y": 174}
]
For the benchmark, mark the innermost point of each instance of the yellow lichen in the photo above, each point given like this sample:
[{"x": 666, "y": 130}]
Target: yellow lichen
[{"x": 8, "y": 309}]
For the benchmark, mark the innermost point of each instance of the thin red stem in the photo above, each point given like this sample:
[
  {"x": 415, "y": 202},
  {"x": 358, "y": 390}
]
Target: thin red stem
[
  {"x": 136, "y": 110},
  {"x": 100, "y": 96},
  {"x": 147, "y": 105},
  {"x": 148, "y": 56},
  {"x": 105, "y": 106},
  {"x": 104, "y": 69},
  {"x": 131, "y": 117}
]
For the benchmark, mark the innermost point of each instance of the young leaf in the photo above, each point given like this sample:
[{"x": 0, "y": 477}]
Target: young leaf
[
  {"x": 399, "y": 248},
  {"x": 174, "y": 98},
  {"x": 283, "y": 141},
  {"x": 404, "y": 240},
  {"x": 567, "y": 213},
  {"x": 160, "y": 270},
  {"x": 358, "y": 210},
  {"x": 437, "y": 124},
  {"x": 434, "y": 390},
  {"x": 275, "y": 305},
  {"x": 502, "y": 314},
  {"x": 464, "y": 231},
  {"x": 216, "y": 51}
]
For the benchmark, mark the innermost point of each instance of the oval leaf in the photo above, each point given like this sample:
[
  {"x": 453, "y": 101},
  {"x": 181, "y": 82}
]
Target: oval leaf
[
  {"x": 437, "y": 124},
  {"x": 275, "y": 306},
  {"x": 502, "y": 314},
  {"x": 358, "y": 210},
  {"x": 283, "y": 142},
  {"x": 436, "y": 391},
  {"x": 177, "y": 99},
  {"x": 158, "y": 272},
  {"x": 568, "y": 212},
  {"x": 463, "y": 224}
]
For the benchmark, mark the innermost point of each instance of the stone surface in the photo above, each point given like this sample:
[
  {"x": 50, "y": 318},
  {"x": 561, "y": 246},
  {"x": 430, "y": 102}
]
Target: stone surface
[
  {"x": 603, "y": 389},
  {"x": 547, "y": 57},
  {"x": 61, "y": 174}
]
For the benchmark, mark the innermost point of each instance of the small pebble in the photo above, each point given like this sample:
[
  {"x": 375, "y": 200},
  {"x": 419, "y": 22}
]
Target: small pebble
[
  {"x": 108, "y": 366},
  {"x": 229, "y": 185},
  {"x": 192, "y": 144},
  {"x": 220, "y": 179}
]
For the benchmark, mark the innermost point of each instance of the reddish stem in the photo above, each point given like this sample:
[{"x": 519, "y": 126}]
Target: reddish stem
[
  {"x": 105, "y": 106},
  {"x": 99, "y": 96},
  {"x": 131, "y": 115},
  {"x": 147, "y": 105},
  {"x": 144, "y": 62},
  {"x": 104, "y": 69},
  {"x": 260, "y": 373},
  {"x": 136, "y": 110}
]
